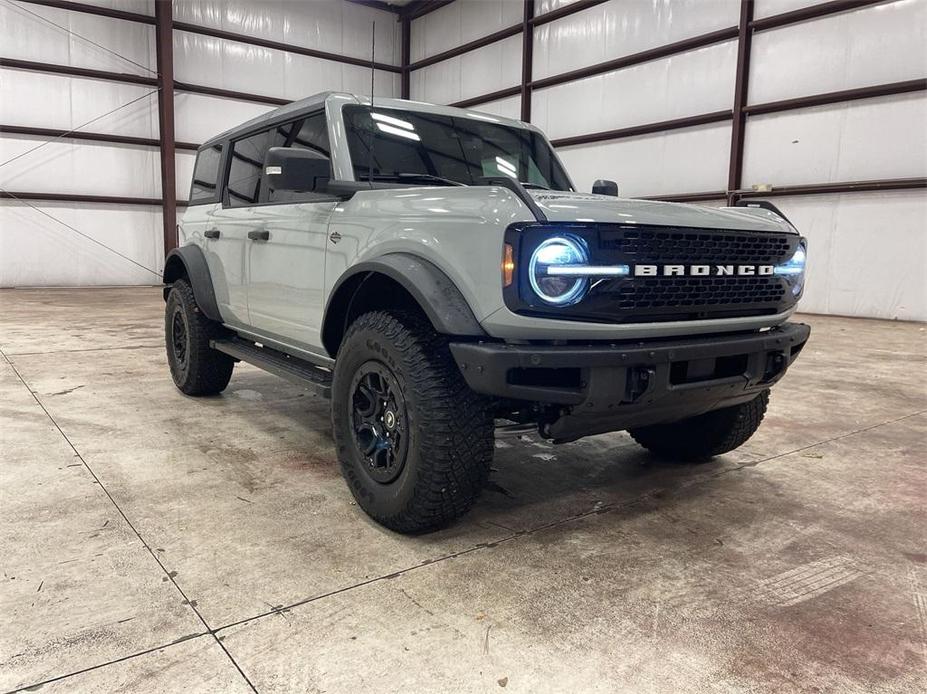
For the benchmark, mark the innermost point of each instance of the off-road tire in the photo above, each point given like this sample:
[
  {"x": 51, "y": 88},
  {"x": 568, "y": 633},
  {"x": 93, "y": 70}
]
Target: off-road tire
[
  {"x": 450, "y": 428},
  {"x": 198, "y": 369},
  {"x": 699, "y": 438}
]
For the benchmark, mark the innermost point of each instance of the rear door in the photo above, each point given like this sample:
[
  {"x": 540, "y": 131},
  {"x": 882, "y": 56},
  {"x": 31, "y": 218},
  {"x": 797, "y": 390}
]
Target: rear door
[
  {"x": 203, "y": 225},
  {"x": 239, "y": 220}
]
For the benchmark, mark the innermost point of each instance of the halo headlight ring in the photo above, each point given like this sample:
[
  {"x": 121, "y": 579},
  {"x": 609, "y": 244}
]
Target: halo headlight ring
[{"x": 558, "y": 290}]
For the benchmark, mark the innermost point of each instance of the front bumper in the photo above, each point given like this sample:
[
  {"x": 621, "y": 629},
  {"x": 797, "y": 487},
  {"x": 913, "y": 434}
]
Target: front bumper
[{"x": 605, "y": 387}]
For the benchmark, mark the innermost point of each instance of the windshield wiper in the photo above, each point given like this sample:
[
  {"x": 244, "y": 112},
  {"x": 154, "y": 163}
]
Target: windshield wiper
[{"x": 416, "y": 177}]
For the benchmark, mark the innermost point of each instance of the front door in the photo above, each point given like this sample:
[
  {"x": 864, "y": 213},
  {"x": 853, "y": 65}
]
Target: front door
[
  {"x": 285, "y": 236},
  {"x": 286, "y": 273}
]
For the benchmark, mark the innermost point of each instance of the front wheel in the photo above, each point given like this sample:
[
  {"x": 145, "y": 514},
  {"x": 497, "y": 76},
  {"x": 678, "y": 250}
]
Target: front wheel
[
  {"x": 699, "y": 438},
  {"x": 414, "y": 442}
]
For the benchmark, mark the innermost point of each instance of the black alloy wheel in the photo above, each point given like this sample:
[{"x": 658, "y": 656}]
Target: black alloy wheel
[
  {"x": 414, "y": 442},
  {"x": 379, "y": 421},
  {"x": 179, "y": 337}
]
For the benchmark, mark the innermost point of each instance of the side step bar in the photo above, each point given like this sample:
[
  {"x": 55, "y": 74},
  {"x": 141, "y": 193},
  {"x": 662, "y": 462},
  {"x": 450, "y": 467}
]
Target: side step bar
[{"x": 291, "y": 368}]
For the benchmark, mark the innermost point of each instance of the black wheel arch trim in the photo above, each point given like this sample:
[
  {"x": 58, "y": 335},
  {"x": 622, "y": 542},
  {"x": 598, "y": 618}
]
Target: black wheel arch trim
[
  {"x": 191, "y": 261},
  {"x": 440, "y": 299}
]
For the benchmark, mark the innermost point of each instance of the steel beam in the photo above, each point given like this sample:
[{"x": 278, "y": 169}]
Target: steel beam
[
  {"x": 527, "y": 58},
  {"x": 842, "y": 96},
  {"x": 804, "y": 14},
  {"x": 95, "y": 9},
  {"x": 741, "y": 83},
  {"x": 55, "y": 133},
  {"x": 164, "y": 43},
  {"x": 645, "y": 129},
  {"x": 405, "y": 25},
  {"x": 280, "y": 46}
]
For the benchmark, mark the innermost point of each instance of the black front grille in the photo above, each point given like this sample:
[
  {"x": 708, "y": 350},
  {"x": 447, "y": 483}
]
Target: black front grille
[
  {"x": 644, "y": 294},
  {"x": 695, "y": 245},
  {"x": 723, "y": 289}
]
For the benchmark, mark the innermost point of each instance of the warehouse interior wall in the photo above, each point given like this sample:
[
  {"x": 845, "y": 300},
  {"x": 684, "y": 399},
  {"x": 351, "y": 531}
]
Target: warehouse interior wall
[
  {"x": 642, "y": 92},
  {"x": 868, "y": 250},
  {"x": 37, "y": 249}
]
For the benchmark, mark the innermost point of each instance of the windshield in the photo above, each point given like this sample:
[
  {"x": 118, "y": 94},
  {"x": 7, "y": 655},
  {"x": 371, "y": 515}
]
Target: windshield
[{"x": 459, "y": 150}]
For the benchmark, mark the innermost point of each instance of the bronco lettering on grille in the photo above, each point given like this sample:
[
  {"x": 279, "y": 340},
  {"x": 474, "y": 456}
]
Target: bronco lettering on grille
[{"x": 701, "y": 270}]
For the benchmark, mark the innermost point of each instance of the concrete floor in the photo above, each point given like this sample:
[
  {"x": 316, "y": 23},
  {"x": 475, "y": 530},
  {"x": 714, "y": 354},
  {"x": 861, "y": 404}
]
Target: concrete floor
[{"x": 153, "y": 542}]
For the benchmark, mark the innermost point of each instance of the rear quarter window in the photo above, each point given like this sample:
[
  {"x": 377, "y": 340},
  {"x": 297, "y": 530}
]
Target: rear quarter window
[{"x": 205, "y": 187}]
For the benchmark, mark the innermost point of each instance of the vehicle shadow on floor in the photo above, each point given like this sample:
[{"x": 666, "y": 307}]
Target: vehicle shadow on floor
[{"x": 533, "y": 482}]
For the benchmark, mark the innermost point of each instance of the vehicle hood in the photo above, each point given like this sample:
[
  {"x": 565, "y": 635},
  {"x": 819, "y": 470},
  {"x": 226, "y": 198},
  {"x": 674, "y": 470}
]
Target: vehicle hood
[{"x": 585, "y": 207}]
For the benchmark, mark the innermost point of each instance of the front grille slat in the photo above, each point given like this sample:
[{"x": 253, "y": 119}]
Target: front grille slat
[
  {"x": 693, "y": 246},
  {"x": 670, "y": 292}
]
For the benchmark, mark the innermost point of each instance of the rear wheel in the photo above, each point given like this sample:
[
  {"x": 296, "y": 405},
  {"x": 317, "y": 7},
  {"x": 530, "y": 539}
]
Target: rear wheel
[
  {"x": 414, "y": 442},
  {"x": 704, "y": 436},
  {"x": 196, "y": 368}
]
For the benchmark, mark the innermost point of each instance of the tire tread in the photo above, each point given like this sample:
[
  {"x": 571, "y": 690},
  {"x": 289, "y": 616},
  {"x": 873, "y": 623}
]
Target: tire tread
[
  {"x": 457, "y": 438},
  {"x": 707, "y": 435}
]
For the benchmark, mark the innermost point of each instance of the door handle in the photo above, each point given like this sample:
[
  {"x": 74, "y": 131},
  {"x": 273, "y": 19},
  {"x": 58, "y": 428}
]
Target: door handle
[
  {"x": 258, "y": 235},
  {"x": 212, "y": 233}
]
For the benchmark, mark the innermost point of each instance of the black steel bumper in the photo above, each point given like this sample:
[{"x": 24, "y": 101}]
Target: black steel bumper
[{"x": 605, "y": 387}]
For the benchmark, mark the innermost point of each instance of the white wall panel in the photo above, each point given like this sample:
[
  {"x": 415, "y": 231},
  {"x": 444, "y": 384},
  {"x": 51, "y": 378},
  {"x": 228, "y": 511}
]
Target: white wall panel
[
  {"x": 482, "y": 71},
  {"x": 138, "y": 6},
  {"x": 198, "y": 118},
  {"x": 545, "y": 6},
  {"x": 619, "y": 28},
  {"x": 242, "y": 67},
  {"x": 69, "y": 166},
  {"x": 68, "y": 102},
  {"x": 507, "y": 108},
  {"x": 874, "y": 45},
  {"x": 461, "y": 22},
  {"x": 854, "y": 141},
  {"x": 37, "y": 251},
  {"x": 867, "y": 253},
  {"x": 682, "y": 85},
  {"x": 26, "y": 36},
  {"x": 337, "y": 27},
  {"x": 767, "y": 8},
  {"x": 679, "y": 161}
]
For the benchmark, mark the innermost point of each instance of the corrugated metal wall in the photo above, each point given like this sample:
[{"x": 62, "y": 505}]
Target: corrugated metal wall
[
  {"x": 36, "y": 250},
  {"x": 868, "y": 250}
]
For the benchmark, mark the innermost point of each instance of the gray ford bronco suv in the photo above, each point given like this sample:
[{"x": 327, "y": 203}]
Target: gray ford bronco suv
[{"x": 434, "y": 271}]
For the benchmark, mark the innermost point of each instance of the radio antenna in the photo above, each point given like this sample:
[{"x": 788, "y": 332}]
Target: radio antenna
[{"x": 373, "y": 49}]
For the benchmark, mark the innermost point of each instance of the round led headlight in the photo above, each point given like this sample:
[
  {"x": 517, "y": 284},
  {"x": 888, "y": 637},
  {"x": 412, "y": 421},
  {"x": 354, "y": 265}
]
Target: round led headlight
[
  {"x": 793, "y": 270},
  {"x": 557, "y": 289}
]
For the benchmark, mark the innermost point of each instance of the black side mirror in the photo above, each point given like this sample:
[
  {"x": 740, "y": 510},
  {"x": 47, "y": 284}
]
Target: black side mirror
[
  {"x": 295, "y": 170},
  {"x": 605, "y": 187}
]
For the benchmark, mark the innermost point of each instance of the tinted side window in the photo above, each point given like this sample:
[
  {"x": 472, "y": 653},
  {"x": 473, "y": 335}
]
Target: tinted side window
[
  {"x": 310, "y": 133},
  {"x": 206, "y": 175},
  {"x": 248, "y": 164},
  {"x": 313, "y": 134},
  {"x": 246, "y": 186}
]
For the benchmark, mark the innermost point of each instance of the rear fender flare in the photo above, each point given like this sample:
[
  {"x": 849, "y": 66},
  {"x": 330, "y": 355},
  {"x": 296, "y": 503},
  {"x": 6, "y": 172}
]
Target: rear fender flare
[{"x": 190, "y": 261}]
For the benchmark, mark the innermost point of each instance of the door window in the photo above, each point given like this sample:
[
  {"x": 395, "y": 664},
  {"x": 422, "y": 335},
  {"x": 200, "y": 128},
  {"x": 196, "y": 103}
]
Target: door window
[
  {"x": 206, "y": 176},
  {"x": 246, "y": 184}
]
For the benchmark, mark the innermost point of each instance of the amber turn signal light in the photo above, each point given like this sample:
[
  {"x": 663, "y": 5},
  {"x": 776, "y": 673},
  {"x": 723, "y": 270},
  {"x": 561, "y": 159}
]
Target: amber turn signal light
[{"x": 508, "y": 266}]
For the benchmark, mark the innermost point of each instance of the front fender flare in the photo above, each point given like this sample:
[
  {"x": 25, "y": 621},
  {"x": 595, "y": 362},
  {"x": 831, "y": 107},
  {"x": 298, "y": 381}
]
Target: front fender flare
[
  {"x": 439, "y": 297},
  {"x": 190, "y": 261}
]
